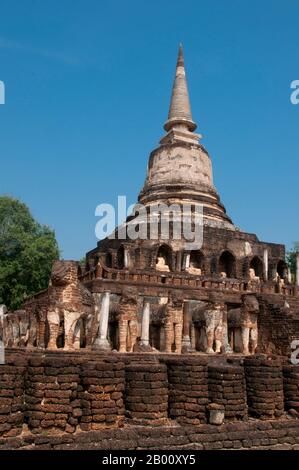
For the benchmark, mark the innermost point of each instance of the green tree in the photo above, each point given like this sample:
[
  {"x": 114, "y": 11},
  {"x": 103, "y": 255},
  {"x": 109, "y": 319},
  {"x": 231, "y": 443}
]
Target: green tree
[
  {"x": 291, "y": 258},
  {"x": 27, "y": 251}
]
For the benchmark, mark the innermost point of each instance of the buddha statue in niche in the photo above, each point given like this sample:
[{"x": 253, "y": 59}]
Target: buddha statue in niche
[
  {"x": 161, "y": 264},
  {"x": 194, "y": 269},
  {"x": 252, "y": 275}
]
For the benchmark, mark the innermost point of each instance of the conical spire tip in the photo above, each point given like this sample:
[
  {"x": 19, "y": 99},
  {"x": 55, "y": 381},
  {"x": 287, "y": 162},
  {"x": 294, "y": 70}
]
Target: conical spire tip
[
  {"x": 180, "y": 62},
  {"x": 179, "y": 115}
]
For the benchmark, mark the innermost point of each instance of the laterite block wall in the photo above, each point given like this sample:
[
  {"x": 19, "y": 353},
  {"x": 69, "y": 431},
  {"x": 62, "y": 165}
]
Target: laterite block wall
[
  {"x": 12, "y": 402},
  {"x": 60, "y": 393}
]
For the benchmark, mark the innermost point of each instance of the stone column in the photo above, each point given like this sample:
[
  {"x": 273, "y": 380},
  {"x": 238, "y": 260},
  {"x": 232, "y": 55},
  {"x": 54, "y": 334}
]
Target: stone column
[
  {"x": 145, "y": 324},
  {"x": 101, "y": 341},
  {"x": 178, "y": 328},
  {"x": 126, "y": 258},
  {"x": 179, "y": 261},
  {"x": 113, "y": 259},
  {"x": 169, "y": 334},
  {"x": 226, "y": 347},
  {"x": 123, "y": 332},
  {"x": 162, "y": 338},
  {"x": 193, "y": 337},
  {"x": 41, "y": 333},
  {"x": 186, "y": 343},
  {"x": 297, "y": 269},
  {"x": 187, "y": 261},
  {"x": 266, "y": 264}
]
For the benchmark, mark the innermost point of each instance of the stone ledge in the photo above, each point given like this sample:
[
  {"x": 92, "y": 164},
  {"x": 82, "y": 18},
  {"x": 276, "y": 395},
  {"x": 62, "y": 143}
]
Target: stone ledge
[{"x": 273, "y": 435}]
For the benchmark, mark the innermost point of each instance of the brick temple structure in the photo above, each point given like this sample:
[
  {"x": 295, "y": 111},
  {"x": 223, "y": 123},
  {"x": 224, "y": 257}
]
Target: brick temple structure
[{"x": 164, "y": 331}]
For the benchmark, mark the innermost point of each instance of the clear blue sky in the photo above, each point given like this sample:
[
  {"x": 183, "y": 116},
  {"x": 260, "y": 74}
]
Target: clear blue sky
[{"x": 87, "y": 92}]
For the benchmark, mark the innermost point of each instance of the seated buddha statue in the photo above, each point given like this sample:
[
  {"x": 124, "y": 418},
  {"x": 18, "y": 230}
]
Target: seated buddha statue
[{"x": 161, "y": 264}]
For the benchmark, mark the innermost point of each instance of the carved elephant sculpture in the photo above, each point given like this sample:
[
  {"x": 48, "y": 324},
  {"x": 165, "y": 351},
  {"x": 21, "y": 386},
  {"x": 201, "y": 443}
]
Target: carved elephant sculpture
[{"x": 245, "y": 319}]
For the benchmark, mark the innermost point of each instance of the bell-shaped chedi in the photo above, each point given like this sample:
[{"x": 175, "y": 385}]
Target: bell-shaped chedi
[{"x": 180, "y": 169}]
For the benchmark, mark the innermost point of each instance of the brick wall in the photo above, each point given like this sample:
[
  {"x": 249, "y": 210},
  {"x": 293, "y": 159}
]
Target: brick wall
[
  {"x": 188, "y": 390},
  {"x": 255, "y": 434},
  {"x": 51, "y": 394},
  {"x": 291, "y": 387},
  {"x": 63, "y": 393},
  {"x": 12, "y": 397},
  {"x": 227, "y": 387},
  {"x": 146, "y": 392},
  {"x": 101, "y": 394},
  {"x": 264, "y": 385}
]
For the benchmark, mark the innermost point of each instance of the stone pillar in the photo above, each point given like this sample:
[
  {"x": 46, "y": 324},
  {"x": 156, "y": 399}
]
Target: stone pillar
[
  {"x": 122, "y": 331},
  {"x": 297, "y": 269},
  {"x": 126, "y": 258},
  {"x": 178, "y": 329},
  {"x": 226, "y": 347},
  {"x": 186, "y": 343},
  {"x": 41, "y": 334},
  {"x": 266, "y": 264},
  {"x": 101, "y": 341},
  {"x": 187, "y": 261},
  {"x": 162, "y": 338},
  {"x": 179, "y": 261},
  {"x": 113, "y": 259},
  {"x": 145, "y": 324},
  {"x": 168, "y": 336},
  {"x": 193, "y": 337}
]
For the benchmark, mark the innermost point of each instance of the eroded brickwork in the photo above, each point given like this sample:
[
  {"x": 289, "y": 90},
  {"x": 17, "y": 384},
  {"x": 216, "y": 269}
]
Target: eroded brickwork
[
  {"x": 146, "y": 393},
  {"x": 264, "y": 384},
  {"x": 227, "y": 387},
  {"x": 12, "y": 403},
  {"x": 188, "y": 390},
  {"x": 45, "y": 395}
]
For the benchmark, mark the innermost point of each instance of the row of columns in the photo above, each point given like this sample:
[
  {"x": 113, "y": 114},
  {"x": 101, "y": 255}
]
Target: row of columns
[{"x": 101, "y": 342}]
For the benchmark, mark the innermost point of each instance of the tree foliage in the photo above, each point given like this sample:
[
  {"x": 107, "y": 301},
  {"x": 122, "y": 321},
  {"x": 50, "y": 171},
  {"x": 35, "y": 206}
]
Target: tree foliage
[
  {"x": 291, "y": 258},
  {"x": 27, "y": 251}
]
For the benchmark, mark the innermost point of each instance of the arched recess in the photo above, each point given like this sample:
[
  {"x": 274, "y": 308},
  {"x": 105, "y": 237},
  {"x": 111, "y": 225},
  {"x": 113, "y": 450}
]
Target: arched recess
[
  {"x": 137, "y": 255},
  {"x": 108, "y": 260},
  {"x": 227, "y": 264},
  {"x": 282, "y": 269},
  {"x": 197, "y": 260},
  {"x": 120, "y": 257},
  {"x": 258, "y": 266},
  {"x": 164, "y": 258}
]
